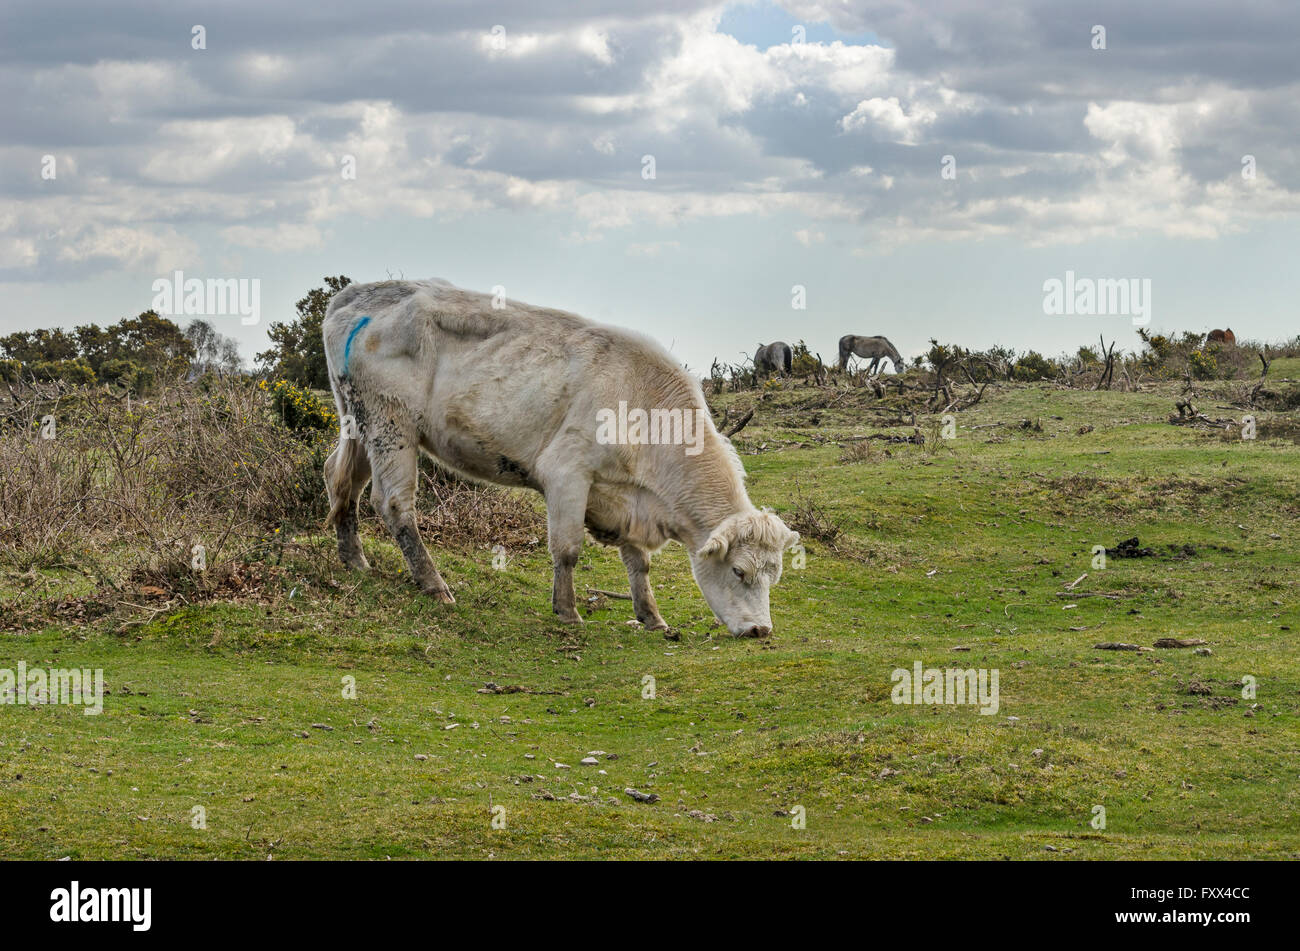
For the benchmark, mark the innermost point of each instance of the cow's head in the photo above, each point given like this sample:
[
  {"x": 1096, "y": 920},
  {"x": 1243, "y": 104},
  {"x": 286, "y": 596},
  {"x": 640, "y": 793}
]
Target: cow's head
[{"x": 737, "y": 566}]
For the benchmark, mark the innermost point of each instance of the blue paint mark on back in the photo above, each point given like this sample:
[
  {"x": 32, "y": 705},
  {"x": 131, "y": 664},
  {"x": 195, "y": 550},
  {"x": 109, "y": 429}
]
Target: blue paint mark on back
[{"x": 347, "y": 347}]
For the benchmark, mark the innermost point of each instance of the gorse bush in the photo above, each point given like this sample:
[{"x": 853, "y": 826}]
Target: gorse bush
[
  {"x": 1165, "y": 357},
  {"x": 1034, "y": 366},
  {"x": 75, "y": 372},
  {"x": 1203, "y": 364},
  {"x": 300, "y": 409},
  {"x": 803, "y": 362}
]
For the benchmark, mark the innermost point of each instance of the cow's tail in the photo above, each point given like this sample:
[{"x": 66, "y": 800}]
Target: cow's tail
[
  {"x": 340, "y": 475},
  {"x": 787, "y": 358},
  {"x": 349, "y": 454}
]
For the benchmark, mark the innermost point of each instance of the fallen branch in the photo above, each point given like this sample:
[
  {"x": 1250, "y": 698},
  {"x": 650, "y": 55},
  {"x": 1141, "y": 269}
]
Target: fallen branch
[
  {"x": 610, "y": 594},
  {"x": 744, "y": 420}
]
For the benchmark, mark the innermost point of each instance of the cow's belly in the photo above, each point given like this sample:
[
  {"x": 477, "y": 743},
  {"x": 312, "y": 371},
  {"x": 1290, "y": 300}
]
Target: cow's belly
[{"x": 473, "y": 457}]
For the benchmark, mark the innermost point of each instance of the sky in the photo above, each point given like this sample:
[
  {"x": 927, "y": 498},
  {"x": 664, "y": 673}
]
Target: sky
[{"x": 919, "y": 170}]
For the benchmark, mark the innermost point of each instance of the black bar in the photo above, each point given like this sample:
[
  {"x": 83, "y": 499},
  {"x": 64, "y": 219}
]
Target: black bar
[{"x": 332, "y": 900}]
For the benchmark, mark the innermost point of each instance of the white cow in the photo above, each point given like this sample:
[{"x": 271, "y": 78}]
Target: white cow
[{"x": 601, "y": 421}]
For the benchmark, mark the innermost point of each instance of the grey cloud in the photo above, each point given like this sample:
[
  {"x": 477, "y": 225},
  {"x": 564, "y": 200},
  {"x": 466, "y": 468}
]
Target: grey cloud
[{"x": 1010, "y": 86}]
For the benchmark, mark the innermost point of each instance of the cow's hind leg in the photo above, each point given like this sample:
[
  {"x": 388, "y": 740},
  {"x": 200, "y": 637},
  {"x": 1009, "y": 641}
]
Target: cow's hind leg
[
  {"x": 347, "y": 470},
  {"x": 637, "y": 561},
  {"x": 396, "y": 472}
]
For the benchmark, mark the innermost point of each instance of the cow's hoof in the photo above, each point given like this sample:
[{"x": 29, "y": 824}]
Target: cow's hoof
[
  {"x": 569, "y": 617},
  {"x": 654, "y": 624},
  {"x": 441, "y": 595},
  {"x": 354, "y": 561}
]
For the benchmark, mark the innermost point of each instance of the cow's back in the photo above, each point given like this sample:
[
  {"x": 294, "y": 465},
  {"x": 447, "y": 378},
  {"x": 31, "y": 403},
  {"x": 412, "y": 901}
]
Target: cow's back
[{"x": 493, "y": 386}]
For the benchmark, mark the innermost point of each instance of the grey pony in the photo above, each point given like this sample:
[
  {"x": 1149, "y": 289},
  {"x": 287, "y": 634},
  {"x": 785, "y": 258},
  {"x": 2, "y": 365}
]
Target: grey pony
[
  {"x": 775, "y": 357},
  {"x": 874, "y": 349}
]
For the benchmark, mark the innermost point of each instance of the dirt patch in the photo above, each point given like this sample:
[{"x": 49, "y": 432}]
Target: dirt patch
[{"x": 1133, "y": 548}]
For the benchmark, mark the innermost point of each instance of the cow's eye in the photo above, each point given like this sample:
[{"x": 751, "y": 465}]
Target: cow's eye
[{"x": 738, "y": 573}]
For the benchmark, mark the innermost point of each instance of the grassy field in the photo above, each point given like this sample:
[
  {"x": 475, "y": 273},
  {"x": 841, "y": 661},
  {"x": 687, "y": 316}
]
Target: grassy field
[{"x": 954, "y": 553}]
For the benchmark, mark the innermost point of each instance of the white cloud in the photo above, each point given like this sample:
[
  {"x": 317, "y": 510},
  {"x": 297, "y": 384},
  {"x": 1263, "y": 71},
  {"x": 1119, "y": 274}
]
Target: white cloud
[
  {"x": 887, "y": 116},
  {"x": 196, "y": 151}
]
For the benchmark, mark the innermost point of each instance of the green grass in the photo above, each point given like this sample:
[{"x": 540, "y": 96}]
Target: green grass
[{"x": 966, "y": 544}]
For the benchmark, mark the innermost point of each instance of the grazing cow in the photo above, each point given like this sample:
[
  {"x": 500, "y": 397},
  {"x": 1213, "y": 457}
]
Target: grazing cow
[
  {"x": 1225, "y": 337},
  {"x": 504, "y": 392},
  {"x": 873, "y": 348},
  {"x": 775, "y": 357}
]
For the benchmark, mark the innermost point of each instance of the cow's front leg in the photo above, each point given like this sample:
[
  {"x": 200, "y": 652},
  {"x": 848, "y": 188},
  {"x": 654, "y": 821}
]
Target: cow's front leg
[
  {"x": 566, "y": 510},
  {"x": 637, "y": 561},
  {"x": 396, "y": 471}
]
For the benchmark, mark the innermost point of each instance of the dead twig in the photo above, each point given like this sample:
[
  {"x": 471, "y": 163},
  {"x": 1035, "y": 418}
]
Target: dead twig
[
  {"x": 610, "y": 594},
  {"x": 744, "y": 420}
]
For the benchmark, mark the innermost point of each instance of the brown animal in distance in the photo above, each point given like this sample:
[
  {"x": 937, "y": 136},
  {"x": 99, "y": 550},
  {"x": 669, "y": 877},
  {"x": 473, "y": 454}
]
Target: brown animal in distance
[{"x": 1225, "y": 337}]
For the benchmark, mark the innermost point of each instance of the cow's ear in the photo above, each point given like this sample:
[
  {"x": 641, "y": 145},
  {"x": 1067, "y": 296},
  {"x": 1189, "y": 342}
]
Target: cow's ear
[
  {"x": 792, "y": 540},
  {"x": 717, "y": 545}
]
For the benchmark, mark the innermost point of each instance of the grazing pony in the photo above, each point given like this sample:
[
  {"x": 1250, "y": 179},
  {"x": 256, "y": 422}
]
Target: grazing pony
[
  {"x": 776, "y": 357},
  {"x": 874, "y": 349},
  {"x": 1225, "y": 337}
]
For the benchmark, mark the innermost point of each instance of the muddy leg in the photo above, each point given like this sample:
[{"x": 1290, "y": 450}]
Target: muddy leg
[
  {"x": 347, "y": 470},
  {"x": 637, "y": 561},
  {"x": 566, "y": 509},
  {"x": 396, "y": 472}
]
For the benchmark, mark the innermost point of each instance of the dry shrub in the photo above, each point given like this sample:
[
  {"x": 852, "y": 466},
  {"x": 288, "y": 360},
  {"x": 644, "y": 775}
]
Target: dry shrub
[
  {"x": 811, "y": 520},
  {"x": 860, "y": 450},
  {"x": 149, "y": 479},
  {"x": 1279, "y": 428},
  {"x": 137, "y": 484},
  {"x": 455, "y": 512},
  {"x": 1283, "y": 400}
]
